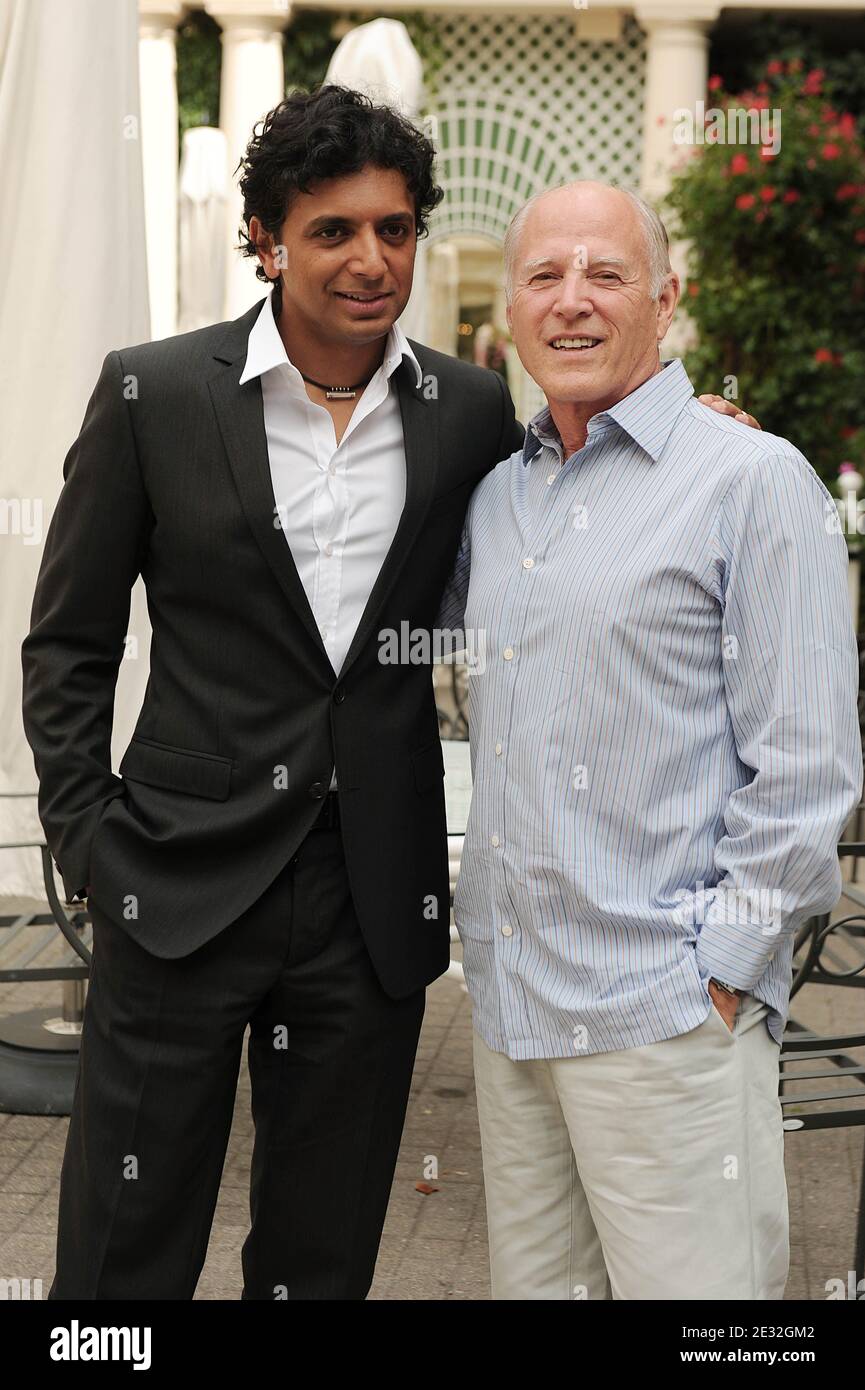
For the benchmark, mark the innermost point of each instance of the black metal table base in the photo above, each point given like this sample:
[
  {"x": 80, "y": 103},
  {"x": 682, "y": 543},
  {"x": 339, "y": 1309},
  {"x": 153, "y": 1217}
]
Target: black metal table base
[{"x": 37, "y": 1066}]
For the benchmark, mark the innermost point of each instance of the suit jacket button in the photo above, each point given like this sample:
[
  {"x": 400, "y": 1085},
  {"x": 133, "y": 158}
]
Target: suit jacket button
[
  {"x": 316, "y": 791},
  {"x": 338, "y": 695}
]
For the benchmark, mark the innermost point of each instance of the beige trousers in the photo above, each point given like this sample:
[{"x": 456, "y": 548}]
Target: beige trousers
[{"x": 654, "y": 1172}]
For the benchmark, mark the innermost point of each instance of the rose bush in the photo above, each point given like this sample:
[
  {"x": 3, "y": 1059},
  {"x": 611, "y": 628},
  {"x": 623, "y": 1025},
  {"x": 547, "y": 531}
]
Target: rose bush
[{"x": 776, "y": 266}]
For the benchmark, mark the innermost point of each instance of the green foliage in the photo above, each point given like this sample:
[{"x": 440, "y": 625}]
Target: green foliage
[
  {"x": 425, "y": 34},
  {"x": 777, "y": 266},
  {"x": 307, "y": 47},
  {"x": 199, "y": 60},
  {"x": 837, "y": 47}
]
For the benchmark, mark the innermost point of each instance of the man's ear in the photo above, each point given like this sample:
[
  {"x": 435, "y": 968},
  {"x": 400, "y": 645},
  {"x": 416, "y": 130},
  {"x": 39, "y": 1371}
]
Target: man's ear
[
  {"x": 264, "y": 244},
  {"x": 508, "y": 317},
  {"x": 667, "y": 301}
]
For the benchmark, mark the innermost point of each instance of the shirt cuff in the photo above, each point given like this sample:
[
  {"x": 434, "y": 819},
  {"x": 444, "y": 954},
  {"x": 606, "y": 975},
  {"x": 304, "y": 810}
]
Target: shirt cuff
[{"x": 733, "y": 946}]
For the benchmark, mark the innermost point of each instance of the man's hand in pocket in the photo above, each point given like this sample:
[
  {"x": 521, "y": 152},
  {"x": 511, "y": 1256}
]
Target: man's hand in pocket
[{"x": 726, "y": 1004}]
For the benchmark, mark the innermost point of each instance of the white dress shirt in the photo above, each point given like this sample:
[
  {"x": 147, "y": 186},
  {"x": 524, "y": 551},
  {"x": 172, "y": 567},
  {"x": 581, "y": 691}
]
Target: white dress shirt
[{"x": 338, "y": 504}]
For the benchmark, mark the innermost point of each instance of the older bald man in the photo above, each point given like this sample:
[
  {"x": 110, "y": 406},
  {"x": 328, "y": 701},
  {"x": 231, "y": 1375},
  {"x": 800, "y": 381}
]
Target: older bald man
[{"x": 665, "y": 748}]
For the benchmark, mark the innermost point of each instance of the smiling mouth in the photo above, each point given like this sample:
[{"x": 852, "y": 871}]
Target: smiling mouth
[
  {"x": 575, "y": 344},
  {"x": 358, "y": 298}
]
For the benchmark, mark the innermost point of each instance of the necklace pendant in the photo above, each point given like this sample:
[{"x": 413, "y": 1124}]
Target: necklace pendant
[{"x": 340, "y": 393}]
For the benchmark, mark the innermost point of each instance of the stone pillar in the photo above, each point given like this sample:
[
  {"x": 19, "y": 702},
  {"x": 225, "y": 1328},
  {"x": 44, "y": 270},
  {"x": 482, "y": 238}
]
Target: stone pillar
[
  {"x": 442, "y": 287},
  {"x": 677, "y": 58},
  {"x": 677, "y": 71},
  {"x": 157, "y": 32},
  {"x": 252, "y": 83}
]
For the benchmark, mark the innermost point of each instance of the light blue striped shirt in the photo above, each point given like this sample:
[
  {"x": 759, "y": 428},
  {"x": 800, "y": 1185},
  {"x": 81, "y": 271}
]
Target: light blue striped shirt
[{"x": 664, "y": 736}]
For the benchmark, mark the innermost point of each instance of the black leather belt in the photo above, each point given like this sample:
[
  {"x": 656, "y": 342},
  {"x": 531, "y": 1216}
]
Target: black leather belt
[{"x": 328, "y": 816}]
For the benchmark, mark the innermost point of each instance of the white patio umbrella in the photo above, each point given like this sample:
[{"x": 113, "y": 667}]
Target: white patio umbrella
[
  {"x": 380, "y": 60},
  {"x": 74, "y": 287},
  {"x": 202, "y": 214}
]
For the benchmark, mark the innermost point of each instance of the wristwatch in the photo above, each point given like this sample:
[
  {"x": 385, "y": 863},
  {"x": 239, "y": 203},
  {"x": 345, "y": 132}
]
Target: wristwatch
[{"x": 728, "y": 989}]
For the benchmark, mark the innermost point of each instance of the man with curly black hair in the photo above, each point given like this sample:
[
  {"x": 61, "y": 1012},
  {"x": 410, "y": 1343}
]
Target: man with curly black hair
[{"x": 292, "y": 487}]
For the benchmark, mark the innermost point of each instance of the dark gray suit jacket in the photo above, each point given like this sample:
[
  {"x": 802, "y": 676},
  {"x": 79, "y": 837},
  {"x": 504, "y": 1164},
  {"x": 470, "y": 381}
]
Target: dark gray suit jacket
[{"x": 170, "y": 478}]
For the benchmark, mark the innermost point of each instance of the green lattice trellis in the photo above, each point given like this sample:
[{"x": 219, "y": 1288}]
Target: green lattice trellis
[{"x": 521, "y": 104}]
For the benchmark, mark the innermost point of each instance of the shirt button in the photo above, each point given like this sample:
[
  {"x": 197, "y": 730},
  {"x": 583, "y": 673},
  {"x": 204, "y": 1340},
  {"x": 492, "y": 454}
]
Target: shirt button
[
  {"x": 494, "y": 839},
  {"x": 507, "y": 929},
  {"x": 328, "y": 549},
  {"x": 508, "y": 653},
  {"x": 551, "y": 479},
  {"x": 316, "y": 791},
  {"x": 528, "y": 563},
  {"x": 498, "y": 750}
]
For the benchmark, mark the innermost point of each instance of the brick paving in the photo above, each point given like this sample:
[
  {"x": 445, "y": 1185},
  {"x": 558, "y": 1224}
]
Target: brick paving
[{"x": 434, "y": 1247}]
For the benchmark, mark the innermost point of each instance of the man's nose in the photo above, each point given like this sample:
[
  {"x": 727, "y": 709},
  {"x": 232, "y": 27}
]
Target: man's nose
[
  {"x": 367, "y": 259},
  {"x": 573, "y": 297}
]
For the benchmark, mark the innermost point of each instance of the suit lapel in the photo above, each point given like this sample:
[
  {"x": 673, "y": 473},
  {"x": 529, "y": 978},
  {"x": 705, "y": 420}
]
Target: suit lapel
[
  {"x": 420, "y": 424},
  {"x": 240, "y": 412}
]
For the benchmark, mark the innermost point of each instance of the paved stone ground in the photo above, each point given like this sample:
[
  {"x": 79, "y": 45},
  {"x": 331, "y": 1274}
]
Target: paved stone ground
[{"x": 434, "y": 1247}]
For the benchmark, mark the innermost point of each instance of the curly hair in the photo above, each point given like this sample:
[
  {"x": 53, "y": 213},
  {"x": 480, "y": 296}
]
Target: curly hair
[{"x": 323, "y": 134}]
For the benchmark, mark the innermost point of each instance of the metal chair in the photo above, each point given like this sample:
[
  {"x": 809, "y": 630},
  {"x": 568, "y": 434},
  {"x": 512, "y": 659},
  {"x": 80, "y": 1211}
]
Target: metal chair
[
  {"x": 39, "y": 1047},
  {"x": 829, "y": 953}
]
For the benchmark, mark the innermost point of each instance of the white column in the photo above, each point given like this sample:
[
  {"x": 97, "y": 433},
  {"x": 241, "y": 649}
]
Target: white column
[
  {"x": 677, "y": 59},
  {"x": 157, "y": 64},
  {"x": 252, "y": 83},
  {"x": 443, "y": 296},
  {"x": 677, "y": 72}
]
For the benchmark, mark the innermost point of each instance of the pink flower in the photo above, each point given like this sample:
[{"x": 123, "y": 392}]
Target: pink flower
[
  {"x": 831, "y": 151},
  {"x": 739, "y": 164},
  {"x": 745, "y": 201},
  {"x": 715, "y": 83},
  {"x": 774, "y": 68},
  {"x": 693, "y": 288},
  {"x": 846, "y": 190},
  {"x": 767, "y": 193},
  {"x": 822, "y": 355},
  {"x": 813, "y": 84},
  {"x": 791, "y": 196}
]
